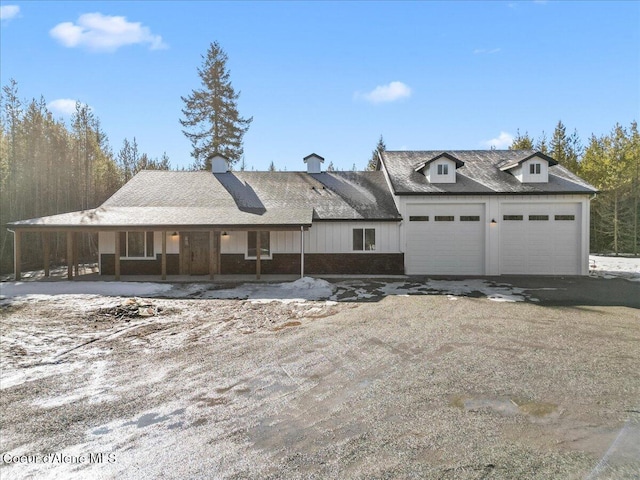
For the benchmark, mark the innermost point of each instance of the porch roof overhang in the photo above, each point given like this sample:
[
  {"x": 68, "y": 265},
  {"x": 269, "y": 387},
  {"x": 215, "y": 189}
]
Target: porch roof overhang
[{"x": 169, "y": 218}]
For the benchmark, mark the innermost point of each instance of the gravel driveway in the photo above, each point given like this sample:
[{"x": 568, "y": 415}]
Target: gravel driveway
[{"x": 421, "y": 386}]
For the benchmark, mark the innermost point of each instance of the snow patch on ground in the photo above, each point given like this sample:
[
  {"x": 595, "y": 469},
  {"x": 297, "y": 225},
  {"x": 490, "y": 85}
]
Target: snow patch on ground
[
  {"x": 113, "y": 289},
  {"x": 305, "y": 288},
  {"x": 614, "y": 267}
]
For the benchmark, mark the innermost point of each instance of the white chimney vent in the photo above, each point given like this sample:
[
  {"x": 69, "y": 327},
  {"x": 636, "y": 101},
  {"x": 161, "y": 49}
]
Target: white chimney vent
[
  {"x": 314, "y": 163},
  {"x": 219, "y": 164}
]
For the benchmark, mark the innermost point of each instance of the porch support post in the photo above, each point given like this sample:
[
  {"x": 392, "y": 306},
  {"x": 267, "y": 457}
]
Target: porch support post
[
  {"x": 46, "y": 251},
  {"x": 301, "y": 251},
  {"x": 117, "y": 259},
  {"x": 17, "y": 254},
  {"x": 69, "y": 255},
  {"x": 258, "y": 248},
  {"x": 76, "y": 244},
  {"x": 218, "y": 252},
  {"x": 164, "y": 255},
  {"x": 212, "y": 253}
]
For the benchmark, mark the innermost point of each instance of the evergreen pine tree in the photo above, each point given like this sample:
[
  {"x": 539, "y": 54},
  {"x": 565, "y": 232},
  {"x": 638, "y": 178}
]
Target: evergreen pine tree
[
  {"x": 211, "y": 119},
  {"x": 373, "y": 161},
  {"x": 522, "y": 142}
]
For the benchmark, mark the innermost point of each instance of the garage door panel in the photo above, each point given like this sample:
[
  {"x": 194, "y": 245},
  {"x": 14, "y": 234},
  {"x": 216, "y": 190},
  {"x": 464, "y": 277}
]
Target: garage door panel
[
  {"x": 445, "y": 247},
  {"x": 543, "y": 247}
]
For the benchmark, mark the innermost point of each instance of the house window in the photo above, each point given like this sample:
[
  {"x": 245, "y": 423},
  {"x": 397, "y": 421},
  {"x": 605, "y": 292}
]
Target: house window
[
  {"x": 444, "y": 218},
  {"x": 265, "y": 246},
  {"x": 136, "y": 245},
  {"x": 419, "y": 218},
  {"x": 443, "y": 169},
  {"x": 565, "y": 217},
  {"x": 469, "y": 218},
  {"x": 538, "y": 217},
  {"x": 534, "y": 168},
  {"x": 512, "y": 217},
  {"x": 364, "y": 239}
]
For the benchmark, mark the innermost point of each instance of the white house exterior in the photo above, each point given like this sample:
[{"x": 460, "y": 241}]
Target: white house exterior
[{"x": 421, "y": 213}]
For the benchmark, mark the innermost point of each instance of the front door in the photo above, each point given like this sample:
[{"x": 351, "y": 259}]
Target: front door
[{"x": 195, "y": 253}]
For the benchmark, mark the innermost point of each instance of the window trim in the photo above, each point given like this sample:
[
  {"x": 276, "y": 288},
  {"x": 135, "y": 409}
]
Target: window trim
[
  {"x": 418, "y": 218},
  {"x": 364, "y": 240},
  {"x": 469, "y": 218},
  {"x": 262, "y": 256},
  {"x": 564, "y": 218},
  {"x": 147, "y": 233},
  {"x": 538, "y": 218},
  {"x": 444, "y": 218},
  {"x": 512, "y": 218},
  {"x": 535, "y": 168}
]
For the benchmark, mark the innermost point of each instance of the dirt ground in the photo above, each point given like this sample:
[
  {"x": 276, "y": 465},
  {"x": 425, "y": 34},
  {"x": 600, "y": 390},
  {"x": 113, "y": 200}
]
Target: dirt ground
[{"x": 421, "y": 386}]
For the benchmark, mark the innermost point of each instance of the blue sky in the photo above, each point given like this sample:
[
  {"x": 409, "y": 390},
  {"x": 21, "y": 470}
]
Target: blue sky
[{"x": 331, "y": 77}]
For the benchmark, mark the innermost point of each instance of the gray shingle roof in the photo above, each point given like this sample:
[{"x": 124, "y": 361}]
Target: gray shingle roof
[
  {"x": 236, "y": 199},
  {"x": 480, "y": 174}
]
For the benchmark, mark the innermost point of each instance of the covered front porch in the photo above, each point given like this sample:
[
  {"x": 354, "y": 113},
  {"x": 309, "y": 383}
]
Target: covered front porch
[
  {"x": 198, "y": 258},
  {"x": 139, "y": 242}
]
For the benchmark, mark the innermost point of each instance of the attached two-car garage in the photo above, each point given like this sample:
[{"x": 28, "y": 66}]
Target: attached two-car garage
[{"x": 520, "y": 238}]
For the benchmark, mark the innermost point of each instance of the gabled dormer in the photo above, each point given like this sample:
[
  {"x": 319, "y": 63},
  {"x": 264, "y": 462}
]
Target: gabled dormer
[
  {"x": 533, "y": 168},
  {"x": 440, "y": 169}
]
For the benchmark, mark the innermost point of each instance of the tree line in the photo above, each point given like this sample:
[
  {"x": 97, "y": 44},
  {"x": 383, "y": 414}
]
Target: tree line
[{"x": 49, "y": 167}]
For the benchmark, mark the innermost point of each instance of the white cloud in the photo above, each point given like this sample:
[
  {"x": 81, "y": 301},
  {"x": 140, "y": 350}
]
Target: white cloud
[
  {"x": 386, "y": 93},
  {"x": 7, "y": 12},
  {"x": 504, "y": 140},
  {"x": 486, "y": 51},
  {"x": 62, "y": 106},
  {"x": 107, "y": 33}
]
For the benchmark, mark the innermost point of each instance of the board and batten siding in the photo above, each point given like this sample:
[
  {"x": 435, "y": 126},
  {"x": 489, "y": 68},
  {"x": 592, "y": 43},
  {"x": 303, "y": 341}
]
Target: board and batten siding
[{"x": 322, "y": 237}]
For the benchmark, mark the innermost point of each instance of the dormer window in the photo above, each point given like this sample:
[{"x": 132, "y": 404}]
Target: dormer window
[
  {"x": 534, "y": 168},
  {"x": 443, "y": 169},
  {"x": 440, "y": 169}
]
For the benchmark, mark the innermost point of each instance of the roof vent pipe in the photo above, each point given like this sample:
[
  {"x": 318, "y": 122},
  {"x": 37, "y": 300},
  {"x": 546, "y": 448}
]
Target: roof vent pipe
[
  {"x": 219, "y": 164},
  {"x": 314, "y": 163}
]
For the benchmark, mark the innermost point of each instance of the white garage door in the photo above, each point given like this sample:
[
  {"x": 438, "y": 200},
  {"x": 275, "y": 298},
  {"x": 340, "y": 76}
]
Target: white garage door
[
  {"x": 445, "y": 239},
  {"x": 540, "y": 239}
]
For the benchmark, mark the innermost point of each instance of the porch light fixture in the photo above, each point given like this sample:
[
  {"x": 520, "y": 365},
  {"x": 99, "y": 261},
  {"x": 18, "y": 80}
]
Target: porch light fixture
[
  {"x": 174, "y": 234},
  {"x": 493, "y": 221},
  {"x": 224, "y": 234}
]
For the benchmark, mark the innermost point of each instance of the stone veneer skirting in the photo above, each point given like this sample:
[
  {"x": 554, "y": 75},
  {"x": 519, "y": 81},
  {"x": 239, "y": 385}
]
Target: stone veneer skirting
[
  {"x": 139, "y": 267},
  {"x": 281, "y": 263}
]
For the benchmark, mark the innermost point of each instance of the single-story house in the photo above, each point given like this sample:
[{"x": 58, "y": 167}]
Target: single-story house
[{"x": 420, "y": 213}]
